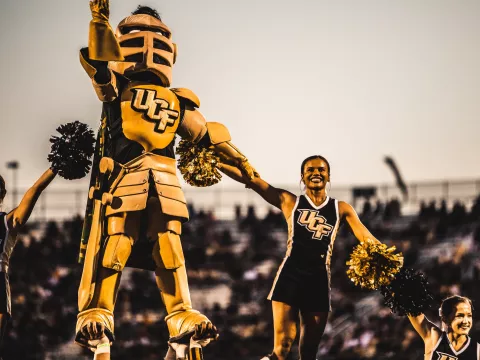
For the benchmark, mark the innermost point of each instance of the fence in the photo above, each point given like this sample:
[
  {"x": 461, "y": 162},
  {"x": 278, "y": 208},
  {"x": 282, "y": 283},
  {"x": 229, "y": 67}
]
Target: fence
[{"x": 57, "y": 204}]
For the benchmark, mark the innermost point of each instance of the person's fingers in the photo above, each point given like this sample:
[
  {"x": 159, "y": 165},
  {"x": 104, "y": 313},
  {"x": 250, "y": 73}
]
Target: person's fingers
[
  {"x": 205, "y": 330},
  {"x": 84, "y": 332},
  {"x": 214, "y": 332},
  {"x": 200, "y": 330},
  {"x": 89, "y": 330},
  {"x": 100, "y": 330}
]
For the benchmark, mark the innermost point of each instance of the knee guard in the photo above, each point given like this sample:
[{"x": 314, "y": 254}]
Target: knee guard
[
  {"x": 117, "y": 251},
  {"x": 96, "y": 315},
  {"x": 168, "y": 252}
]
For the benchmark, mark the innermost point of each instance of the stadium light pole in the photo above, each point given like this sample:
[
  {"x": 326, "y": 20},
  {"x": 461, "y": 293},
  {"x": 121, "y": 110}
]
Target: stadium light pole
[{"x": 14, "y": 165}]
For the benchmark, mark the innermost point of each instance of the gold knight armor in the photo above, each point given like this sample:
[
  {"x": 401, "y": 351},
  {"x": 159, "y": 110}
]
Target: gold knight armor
[
  {"x": 145, "y": 38},
  {"x": 150, "y": 115},
  {"x": 135, "y": 171}
]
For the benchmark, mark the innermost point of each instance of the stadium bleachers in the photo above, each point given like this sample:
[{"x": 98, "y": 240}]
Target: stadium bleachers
[{"x": 231, "y": 266}]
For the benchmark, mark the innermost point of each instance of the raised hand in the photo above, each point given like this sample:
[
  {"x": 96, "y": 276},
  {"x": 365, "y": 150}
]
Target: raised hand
[{"x": 100, "y": 9}]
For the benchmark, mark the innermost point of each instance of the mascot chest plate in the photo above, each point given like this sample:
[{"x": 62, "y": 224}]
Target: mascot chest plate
[{"x": 150, "y": 115}]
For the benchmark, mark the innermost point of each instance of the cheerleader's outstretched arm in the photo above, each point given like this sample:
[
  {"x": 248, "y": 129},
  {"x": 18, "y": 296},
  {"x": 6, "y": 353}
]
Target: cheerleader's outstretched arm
[{"x": 19, "y": 216}]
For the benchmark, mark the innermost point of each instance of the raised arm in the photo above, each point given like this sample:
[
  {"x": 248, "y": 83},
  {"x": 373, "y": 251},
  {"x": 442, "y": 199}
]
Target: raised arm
[
  {"x": 428, "y": 331},
  {"x": 350, "y": 216},
  {"x": 19, "y": 216},
  {"x": 102, "y": 48},
  {"x": 102, "y": 43},
  {"x": 421, "y": 325},
  {"x": 279, "y": 198}
]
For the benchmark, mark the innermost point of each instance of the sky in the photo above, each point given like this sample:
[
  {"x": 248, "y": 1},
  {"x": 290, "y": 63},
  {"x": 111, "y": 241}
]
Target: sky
[{"x": 351, "y": 80}]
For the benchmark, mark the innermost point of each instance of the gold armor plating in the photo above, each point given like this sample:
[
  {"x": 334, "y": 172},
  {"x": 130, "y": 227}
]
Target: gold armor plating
[
  {"x": 153, "y": 45},
  {"x": 102, "y": 44},
  {"x": 129, "y": 190},
  {"x": 150, "y": 115},
  {"x": 120, "y": 211},
  {"x": 188, "y": 95}
]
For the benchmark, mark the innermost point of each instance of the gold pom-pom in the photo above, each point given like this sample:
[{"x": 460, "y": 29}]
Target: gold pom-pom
[
  {"x": 372, "y": 264},
  {"x": 197, "y": 164}
]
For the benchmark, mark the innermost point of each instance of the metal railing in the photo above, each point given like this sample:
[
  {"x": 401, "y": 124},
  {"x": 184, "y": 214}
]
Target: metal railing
[{"x": 57, "y": 204}]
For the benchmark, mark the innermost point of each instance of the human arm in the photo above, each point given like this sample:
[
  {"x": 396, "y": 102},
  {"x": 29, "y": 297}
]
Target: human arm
[
  {"x": 19, "y": 216},
  {"x": 279, "y": 198},
  {"x": 348, "y": 214},
  {"x": 428, "y": 331}
]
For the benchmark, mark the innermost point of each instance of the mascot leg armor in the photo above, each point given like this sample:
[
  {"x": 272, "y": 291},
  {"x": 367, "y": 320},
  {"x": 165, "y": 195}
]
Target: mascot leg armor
[
  {"x": 102, "y": 271},
  {"x": 101, "y": 276}
]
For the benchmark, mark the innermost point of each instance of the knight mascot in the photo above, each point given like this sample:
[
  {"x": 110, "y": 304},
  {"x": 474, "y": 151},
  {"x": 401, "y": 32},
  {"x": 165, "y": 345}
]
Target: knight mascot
[{"x": 136, "y": 206}]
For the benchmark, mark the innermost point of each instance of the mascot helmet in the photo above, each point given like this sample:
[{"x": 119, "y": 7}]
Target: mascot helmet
[{"x": 146, "y": 45}]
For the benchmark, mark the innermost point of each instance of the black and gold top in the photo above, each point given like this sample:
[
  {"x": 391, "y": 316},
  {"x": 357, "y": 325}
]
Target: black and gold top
[
  {"x": 445, "y": 351},
  {"x": 312, "y": 230},
  {"x": 141, "y": 106}
]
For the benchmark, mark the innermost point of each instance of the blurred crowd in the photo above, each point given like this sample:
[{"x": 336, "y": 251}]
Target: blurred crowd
[{"x": 231, "y": 266}]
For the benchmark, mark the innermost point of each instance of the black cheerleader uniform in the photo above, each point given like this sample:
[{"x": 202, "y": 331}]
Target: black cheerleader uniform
[
  {"x": 303, "y": 279},
  {"x": 445, "y": 351}
]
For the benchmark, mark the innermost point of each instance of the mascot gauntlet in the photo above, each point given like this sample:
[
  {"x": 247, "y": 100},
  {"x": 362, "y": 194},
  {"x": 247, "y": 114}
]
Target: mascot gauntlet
[
  {"x": 102, "y": 43},
  {"x": 197, "y": 130},
  {"x": 221, "y": 142}
]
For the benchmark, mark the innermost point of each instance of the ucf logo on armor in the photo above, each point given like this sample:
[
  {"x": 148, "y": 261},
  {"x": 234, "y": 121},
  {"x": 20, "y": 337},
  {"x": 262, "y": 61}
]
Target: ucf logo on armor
[
  {"x": 442, "y": 356},
  {"x": 154, "y": 109},
  {"x": 150, "y": 115},
  {"x": 315, "y": 223}
]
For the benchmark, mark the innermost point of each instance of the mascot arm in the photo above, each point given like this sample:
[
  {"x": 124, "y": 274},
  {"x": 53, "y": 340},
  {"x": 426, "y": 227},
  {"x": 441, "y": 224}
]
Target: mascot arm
[
  {"x": 220, "y": 140},
  {"x": 104, "y": 80},
  {"x": 102, "y": 48},
  {"x": 215, "y": 135},
  {"x": 193, "y": 124},
  {"x": 102, "y": 43}
]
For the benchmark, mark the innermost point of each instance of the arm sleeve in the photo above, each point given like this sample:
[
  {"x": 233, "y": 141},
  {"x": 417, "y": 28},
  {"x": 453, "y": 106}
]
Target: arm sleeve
[{"x": 104, "y": 81}]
